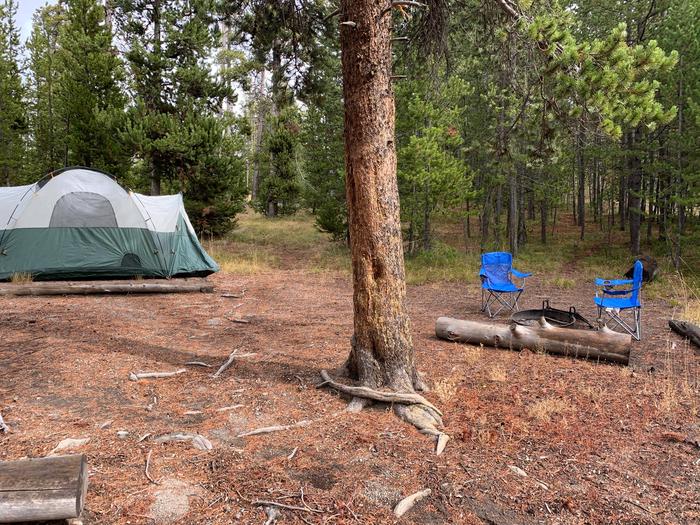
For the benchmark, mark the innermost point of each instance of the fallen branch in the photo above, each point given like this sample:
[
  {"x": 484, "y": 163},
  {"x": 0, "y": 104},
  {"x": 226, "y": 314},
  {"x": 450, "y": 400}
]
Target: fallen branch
[
  {"x": 406, "y": 504},
  {"x": 148, "y": 462},
  {"x": 378, "y": 395},
  {"x": 687, "y": 330},
  {"x": 135, "y": 376},
  {"x": 241, "y": 321},
  {"x": 3, "y": 427},
  {"x": 226, "y": 409},
  {"x": 234, "y": 295},
  {"x": 198, "y": 363},
  {"x": 291, "y": 456},
  {"x": 277, "y": 428},
  {"x": 198, "y": 441},
  {"x": 231, "y": 357},
  {"x": 283, "y": 506},
  {"x": 107, "y": 287}
]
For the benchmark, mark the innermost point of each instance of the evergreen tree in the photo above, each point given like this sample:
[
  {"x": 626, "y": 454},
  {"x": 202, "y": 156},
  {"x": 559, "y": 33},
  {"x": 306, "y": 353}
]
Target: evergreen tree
[
  {"x": 177, "y": 125},
  {"x": 90, "y": 96},
  {"x": 13, "y": 118},
  {"x": 48, "y": 130}
]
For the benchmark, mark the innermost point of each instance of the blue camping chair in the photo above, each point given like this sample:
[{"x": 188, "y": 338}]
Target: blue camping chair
[
  {"x": 614, "y": 301},
  {"x": 497, "y": 287}
]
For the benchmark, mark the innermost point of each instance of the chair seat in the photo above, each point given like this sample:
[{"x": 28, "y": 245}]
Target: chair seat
[
  {"x": 621, "y": 303},
  {"x": 501, "y": 287}
]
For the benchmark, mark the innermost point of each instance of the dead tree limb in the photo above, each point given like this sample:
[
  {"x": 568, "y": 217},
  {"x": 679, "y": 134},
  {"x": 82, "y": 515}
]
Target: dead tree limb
[
  {"x": 234, "y": 355},
  {"x": 148, "y": 462},
  {"x": 686, "y": 329},
  {"x": 135, "y": 376},
  {"x": 276, "y": 428},
  {"x": 198, "y": 363},
  {"x": 284, "y": 506},
  {"x": 107, "y": 287},
  {"x": 592, "y": 344}
]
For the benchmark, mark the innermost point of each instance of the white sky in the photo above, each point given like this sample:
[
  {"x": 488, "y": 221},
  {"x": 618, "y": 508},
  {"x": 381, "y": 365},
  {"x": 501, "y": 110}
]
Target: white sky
[{"x": 25, "y": 12}]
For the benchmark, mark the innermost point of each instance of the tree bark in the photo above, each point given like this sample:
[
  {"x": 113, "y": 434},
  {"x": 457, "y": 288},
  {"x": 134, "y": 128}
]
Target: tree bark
[
  {"x": 382, "y": 349},
  {"x": 634, "y": 189}
]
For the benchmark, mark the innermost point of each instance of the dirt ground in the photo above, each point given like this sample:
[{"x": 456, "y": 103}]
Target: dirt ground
[{"x": 535, "y": 438}]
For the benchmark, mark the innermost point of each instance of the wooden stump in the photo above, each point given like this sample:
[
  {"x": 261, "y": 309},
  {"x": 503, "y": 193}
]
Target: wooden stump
[
  {"x": 591, "y": 344},
  {"x": 50, "y": 488}
]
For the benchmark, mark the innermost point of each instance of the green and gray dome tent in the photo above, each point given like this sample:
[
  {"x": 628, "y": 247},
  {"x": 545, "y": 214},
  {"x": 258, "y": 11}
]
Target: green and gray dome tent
[{"x": 78, "y": 223}]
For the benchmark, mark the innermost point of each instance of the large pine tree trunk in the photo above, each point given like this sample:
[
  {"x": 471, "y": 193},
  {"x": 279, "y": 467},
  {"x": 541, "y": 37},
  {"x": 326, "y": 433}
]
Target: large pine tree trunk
[{"x": 382, "y": 350}]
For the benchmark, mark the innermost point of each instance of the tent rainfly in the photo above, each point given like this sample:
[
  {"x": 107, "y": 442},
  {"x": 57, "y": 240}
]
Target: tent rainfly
[{"x": 78, "y": 223}]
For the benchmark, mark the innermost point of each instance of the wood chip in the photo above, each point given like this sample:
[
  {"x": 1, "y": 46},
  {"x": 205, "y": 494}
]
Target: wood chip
[{"x": 3, "y": 427}]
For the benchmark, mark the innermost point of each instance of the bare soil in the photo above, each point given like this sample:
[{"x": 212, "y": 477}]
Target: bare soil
[{"x": 598, "y": 443}]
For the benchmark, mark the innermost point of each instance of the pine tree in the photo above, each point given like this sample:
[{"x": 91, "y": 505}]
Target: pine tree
[
  {"x": 48, "y": 132},
  {"x": 90, "y": 98},
  {"x": 177, "y": 125},
  {"x": 13, "y": 118}
]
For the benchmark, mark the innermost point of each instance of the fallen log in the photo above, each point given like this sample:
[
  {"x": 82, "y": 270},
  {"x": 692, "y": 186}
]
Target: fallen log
[
  {"x": 686, "y": 329},
  {"x": 107, "y": 287},
  {"x": 42, "y": 489},
  {"x": 601, "y": 344}
]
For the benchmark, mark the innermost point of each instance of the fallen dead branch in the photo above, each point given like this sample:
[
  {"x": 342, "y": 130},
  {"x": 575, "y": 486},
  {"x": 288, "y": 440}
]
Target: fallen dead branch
[
  {"x": 378, "y": 395},
  {"x": 277, "y": 428},
  {"x": 235, "y": 295},
  {"x": 198, "y": 441},
  {"x": 241, "y": 321},
  {"x": 234, "y": 355},
  {"x": 148, "y": 462},
  {"x": 107, "y": 287},
  {"x": 226, "y": 409},
  {"x": 3, "y": 427},
  {"x": 293, "y": 453},
  {"x": 198, "y": 363},
  {"x": 284, "y": 506},
  {"x": 135, "y": 376},
  {"x": 406, "y": 504}
]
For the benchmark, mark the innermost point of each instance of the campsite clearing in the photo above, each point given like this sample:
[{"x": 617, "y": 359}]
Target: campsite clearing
[{"x": 598, "y": 443}]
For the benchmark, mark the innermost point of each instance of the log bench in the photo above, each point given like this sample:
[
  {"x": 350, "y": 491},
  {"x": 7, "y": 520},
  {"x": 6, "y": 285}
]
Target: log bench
[{"x": 51, "y": 488}]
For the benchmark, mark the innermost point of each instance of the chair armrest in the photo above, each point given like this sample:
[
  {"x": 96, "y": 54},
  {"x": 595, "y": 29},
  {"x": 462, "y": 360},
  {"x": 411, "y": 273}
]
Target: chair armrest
[
  {"x": 519, "y": 274},
  {"x": 612, "y": 282}
]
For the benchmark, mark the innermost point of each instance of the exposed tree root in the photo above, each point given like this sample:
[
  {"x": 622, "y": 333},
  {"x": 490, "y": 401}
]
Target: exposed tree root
[
  {"x": 379, "y": 395},
  {"x": 411, "y": 407}
]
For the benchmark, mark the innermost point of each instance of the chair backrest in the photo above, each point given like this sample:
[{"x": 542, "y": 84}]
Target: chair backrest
[
  {"x": 496, "y": 266},
  {"x": 637, "y": 277}
]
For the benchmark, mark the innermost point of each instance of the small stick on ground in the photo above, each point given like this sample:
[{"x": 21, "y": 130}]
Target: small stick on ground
[
  {"x": 226, "y": 409},
  {"x": 278, "y": 428},
  {"x": 198, "y": 363},
  {"x": 283, "y": 506},
  {"x": 241, "y": 321},
  {"x": 291, "y": 456},
  {"x": 235, "y": 295},
  {"x": 135, "y": 376},
  {"x": 231, "y": 357},
  {"x": 148, "y": 462},
  {"x": 406, "y": 504}
]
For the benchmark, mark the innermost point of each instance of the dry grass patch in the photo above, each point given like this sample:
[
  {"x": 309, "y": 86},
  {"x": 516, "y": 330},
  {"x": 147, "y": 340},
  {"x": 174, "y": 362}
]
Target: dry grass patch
[
  {"x": 497, "y": 373},
  {"x": 447, "y": 388},
  {"x": 545, "y": 409},
  {"x": 21, "y": 278}
]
